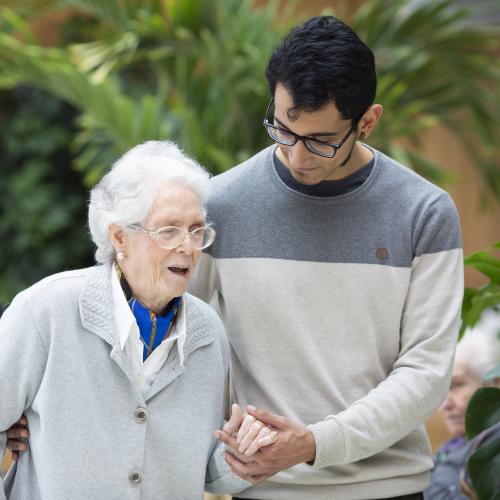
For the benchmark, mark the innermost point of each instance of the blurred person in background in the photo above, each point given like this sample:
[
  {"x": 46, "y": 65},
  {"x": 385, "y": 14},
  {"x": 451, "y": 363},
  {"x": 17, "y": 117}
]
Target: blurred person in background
[
  {"x": 122, "y": 375},
  {"x": 477, "y": 352}
]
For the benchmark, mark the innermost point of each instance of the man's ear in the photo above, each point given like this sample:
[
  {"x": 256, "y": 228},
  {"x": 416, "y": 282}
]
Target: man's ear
[{"x": 369, "y": 120}]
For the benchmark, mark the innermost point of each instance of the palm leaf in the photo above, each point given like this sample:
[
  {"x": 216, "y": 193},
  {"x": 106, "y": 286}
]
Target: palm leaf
[{"x": 435, "y": 66}]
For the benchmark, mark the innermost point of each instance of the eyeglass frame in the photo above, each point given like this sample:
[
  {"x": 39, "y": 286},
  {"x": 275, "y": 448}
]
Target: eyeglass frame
[
  {"x": 154, "y": 234},
  {"x": 304, "y": 138}
]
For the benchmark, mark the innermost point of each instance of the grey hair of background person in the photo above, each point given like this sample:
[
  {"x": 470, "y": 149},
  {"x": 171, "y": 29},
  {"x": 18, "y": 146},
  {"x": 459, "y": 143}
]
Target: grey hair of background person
[
  {"x": 479, "y": 348},
  {"x": 126, "y": 193}
]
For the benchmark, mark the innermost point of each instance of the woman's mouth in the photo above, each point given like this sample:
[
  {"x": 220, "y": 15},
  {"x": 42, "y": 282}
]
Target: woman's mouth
[
  {"x": 179, "y": 270},
  {"x": 454, "y": 418}
]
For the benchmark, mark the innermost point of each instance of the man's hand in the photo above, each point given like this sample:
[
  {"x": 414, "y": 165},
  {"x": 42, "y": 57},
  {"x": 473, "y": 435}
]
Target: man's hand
[
  {"x": 15, "y": 437},
  {"x": 295, "y": 445}
]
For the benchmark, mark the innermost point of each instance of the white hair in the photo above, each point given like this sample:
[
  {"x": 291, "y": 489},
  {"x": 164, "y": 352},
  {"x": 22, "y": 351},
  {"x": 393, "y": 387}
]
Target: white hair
[
  {"x": 479, "y": 348},
  {"x": 126, "y": 193}
]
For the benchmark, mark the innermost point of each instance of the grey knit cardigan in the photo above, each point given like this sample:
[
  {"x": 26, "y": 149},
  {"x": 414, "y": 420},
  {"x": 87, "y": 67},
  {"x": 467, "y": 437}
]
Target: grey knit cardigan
[{"x": 93, "y": 433}]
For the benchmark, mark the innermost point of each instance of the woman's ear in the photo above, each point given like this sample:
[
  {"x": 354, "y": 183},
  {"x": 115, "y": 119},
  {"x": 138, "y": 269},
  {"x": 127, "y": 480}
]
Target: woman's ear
[{"x": 118, "y": 238}]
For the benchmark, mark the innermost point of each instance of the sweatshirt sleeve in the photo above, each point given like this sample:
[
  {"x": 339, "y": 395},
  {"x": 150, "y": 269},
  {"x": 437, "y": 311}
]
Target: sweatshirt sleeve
[
  {"x": 220, "y": 479},
  {"x": 23, "y": 358},
  {"x": 419, "y": 379}
]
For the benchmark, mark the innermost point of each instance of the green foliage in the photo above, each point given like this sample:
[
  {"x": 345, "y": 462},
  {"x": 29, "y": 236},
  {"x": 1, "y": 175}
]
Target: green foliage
[
  {"x": 110, "y": 123},
  {"x": 483, "y": 467},
  {"x": 207, "y": 80},
  {"x": 200, "y": 65},
  {"x": 476, "y": 300},
  {"x": 42, "y": 228},
  {"x": 435, "y": 66},
  {"x": 483, "y": 411},
  {"x": 482, "y": 420}
]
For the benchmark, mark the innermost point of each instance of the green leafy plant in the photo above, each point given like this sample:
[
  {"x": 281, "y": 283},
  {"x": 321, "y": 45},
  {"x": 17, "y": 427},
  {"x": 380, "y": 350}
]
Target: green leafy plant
[
  {"x": 184, "y": 72},
  {"x": 193, "y": 71},
  {"x": 42, "y": 228},
  {"x": 483, "y": 411},
  {"x": 436, "y": 66},
  {"x": 476, "y": 300},
  {"x": 482, "y": 425}
]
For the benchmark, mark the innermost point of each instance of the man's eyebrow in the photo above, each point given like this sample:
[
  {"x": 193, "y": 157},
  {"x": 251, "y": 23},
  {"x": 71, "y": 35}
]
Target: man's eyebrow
[{"x": 316, "y": 134}]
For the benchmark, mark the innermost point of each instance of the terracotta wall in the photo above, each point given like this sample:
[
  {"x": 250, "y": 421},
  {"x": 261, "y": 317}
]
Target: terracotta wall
[
  {"x": 480, "y": 227},
  {"x": 6, "y": 461}
]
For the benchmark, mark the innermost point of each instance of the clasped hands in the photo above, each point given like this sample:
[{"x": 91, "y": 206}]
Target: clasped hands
[{"x": 260, "y": 444}]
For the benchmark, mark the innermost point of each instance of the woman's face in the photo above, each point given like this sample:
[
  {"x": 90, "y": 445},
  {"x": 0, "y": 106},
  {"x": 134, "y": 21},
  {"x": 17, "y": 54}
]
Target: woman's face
[
  {"x": 463, "y": 385},
  {"x": 157, "y": 275}
]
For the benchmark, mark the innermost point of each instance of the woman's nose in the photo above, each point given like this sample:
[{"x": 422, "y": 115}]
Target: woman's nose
[
  {"x": 186, "y": 245},
  {"x": 448, "y": 402}
]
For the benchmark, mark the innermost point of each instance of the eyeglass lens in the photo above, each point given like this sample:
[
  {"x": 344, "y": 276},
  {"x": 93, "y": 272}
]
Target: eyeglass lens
[
  {"x": 286, "y": 138},
  {"x": 171, "y": 237}
]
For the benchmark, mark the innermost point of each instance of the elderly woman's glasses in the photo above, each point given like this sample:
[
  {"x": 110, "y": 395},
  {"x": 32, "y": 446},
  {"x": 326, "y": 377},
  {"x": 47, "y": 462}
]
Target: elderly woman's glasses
[
  {"x": 170, "y": 237},
  {"x": 289, "y": 138}
]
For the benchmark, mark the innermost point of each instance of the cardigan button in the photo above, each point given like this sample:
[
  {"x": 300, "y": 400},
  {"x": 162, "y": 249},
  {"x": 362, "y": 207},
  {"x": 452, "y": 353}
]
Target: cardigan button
[
  {"x": 135, "y": 476},
  {"x": 141, "y": 415}
]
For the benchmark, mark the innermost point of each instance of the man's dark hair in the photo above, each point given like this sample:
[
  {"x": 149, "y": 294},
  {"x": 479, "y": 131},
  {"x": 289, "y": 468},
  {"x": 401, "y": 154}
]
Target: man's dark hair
[{"x": 323, "y": 60}]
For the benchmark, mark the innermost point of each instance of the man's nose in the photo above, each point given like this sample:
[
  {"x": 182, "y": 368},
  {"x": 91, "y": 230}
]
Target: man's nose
[{"x": 298, "y": 153}]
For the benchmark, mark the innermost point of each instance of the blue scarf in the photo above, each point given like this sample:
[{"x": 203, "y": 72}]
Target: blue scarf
[{"x": 152, "y": 328}]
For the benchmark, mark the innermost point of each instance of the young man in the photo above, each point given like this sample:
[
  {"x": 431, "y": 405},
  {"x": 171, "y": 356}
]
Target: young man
[{"x": 339, "y": 278}]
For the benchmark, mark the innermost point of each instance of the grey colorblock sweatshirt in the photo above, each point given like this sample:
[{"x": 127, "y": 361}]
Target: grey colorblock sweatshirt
[
  {"x": 342, "y": 313},
  {"x": 93, "y": 433}
]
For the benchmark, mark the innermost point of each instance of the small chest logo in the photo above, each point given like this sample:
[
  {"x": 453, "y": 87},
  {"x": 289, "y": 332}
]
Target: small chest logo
[{"x": 382, "y": 253}]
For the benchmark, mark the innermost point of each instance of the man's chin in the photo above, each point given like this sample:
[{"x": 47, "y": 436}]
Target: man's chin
[{"x": 306, "y": 178}]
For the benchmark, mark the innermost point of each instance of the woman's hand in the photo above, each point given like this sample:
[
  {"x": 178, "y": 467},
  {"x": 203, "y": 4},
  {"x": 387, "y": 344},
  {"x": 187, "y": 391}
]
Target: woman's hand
[
  {"x": 251, "y": 434},
  {"x": 16, "y": 436}
]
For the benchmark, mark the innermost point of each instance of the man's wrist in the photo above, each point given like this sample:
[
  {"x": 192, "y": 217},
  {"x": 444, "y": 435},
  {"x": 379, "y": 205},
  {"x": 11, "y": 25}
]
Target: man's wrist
[{"x": 310, "y": 448}]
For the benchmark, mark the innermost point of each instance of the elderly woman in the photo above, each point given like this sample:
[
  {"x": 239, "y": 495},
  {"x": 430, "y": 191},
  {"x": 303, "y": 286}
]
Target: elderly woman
[{"x": 120, "y": 373}]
